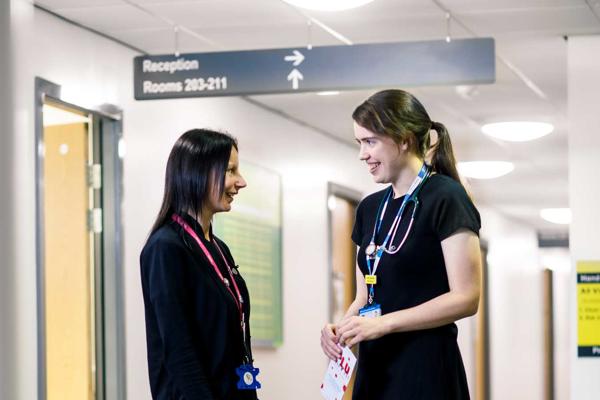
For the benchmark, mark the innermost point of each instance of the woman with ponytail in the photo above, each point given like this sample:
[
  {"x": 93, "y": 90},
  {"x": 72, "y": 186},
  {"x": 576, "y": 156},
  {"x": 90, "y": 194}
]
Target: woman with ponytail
[{"x": 418, "y": 259}]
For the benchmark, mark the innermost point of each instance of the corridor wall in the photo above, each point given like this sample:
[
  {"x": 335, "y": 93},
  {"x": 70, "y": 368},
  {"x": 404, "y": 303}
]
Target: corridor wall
[
  {"x": 8, "y": 388},
  {"x": 584, "y": 190},
  {"x": 93, "y": 70}
]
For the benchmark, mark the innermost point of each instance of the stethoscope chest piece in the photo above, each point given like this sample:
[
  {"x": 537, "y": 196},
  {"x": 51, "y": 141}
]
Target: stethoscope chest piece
[{"x": 371, "y": 249}]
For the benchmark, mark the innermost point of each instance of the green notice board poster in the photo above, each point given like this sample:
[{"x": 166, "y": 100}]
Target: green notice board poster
[{"x": 252, "y": 230}]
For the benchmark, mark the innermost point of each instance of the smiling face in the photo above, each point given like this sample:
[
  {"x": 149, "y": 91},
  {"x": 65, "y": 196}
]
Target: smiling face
[
  {"x": 233, "y": 183},
  {"x": 384, "y": 157}
]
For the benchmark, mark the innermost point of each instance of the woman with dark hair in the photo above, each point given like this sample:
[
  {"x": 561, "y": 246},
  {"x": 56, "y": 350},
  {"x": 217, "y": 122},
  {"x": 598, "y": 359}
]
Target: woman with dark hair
[
  {"x": 196, "y": 303},
  {"x": 418, "y": 260}
]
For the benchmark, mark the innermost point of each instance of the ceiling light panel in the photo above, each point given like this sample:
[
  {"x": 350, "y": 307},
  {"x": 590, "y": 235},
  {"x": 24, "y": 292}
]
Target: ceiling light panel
[
  {"x": 328, "y": 5},
  {"x": 561, "y": 216},
  {"x": 517, "y": 131}
]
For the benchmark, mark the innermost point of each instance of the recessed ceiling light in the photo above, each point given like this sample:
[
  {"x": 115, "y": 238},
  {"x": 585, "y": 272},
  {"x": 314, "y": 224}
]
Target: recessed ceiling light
[
  {"x": 522, "y": 131},
  {"x": 328, "y": 5},
  {"x": 328, "y": 93},
  {"x": 556, "y": 215},
  {"x": 484, "y": 169}
]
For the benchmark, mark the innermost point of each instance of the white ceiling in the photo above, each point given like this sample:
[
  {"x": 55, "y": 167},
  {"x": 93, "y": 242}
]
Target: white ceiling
[{"x": 531, "y": 69}]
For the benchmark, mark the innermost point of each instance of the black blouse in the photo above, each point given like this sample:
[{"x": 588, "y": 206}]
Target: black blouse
[
  {"x": 424, "y": 364},
  {"x": 193, "y": 331}
]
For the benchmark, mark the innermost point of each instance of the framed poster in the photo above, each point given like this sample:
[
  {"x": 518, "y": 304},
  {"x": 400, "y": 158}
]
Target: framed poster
[{"x": 252, "y": 230}]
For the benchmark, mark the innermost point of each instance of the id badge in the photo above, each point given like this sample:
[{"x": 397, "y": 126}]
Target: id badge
[
  {"x": 370, "y": 311},
  {"x": 371, "y": 279},
  {"x": 247, "y": 374}
]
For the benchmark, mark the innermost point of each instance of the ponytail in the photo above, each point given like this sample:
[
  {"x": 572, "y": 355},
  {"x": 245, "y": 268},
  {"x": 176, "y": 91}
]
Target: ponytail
[{"x": 443, "y": 161}]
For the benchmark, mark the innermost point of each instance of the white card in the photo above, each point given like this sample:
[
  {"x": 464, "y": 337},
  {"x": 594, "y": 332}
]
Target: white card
[{"x": 338, "y": 375}]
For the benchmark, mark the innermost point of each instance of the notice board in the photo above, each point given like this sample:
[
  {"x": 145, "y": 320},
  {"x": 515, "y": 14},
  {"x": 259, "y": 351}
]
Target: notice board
[
  {"x": 252, "y": 230},
  {"x": 588, "y": 308}
]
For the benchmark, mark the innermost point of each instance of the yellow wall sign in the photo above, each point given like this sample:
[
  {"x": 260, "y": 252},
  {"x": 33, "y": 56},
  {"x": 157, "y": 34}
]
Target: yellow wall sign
[{"x": 588, "y": 308}]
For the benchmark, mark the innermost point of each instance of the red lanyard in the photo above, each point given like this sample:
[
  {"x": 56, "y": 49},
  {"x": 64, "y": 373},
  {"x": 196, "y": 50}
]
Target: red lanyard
[{"x": 238, "y": 299}]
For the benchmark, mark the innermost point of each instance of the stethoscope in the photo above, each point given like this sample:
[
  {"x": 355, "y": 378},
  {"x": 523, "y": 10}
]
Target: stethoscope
[{"x": 373, "y": 252}]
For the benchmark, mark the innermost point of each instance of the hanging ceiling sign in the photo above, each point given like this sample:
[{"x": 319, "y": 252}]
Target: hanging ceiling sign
[{"x": 362, "y": 66}]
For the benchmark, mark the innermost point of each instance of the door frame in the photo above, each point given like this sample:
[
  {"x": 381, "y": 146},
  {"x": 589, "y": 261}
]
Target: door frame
[
  {"x": 109, "y": 279},
  {"x": 354, "y": 196}
]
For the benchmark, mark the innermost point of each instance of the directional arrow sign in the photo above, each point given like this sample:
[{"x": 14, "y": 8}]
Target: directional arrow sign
[
  {"x": 297, "y": 58},
  {"x": 294, "y": 76},
  {"x": 466, "y": 61}
]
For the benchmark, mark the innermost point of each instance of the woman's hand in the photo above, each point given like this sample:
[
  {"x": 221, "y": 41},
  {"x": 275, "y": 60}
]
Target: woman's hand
[
  {"x": 355, "y": 329},
  {"x": 329, "y": 342}
]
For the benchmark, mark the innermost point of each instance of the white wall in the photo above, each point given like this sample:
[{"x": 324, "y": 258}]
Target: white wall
[
  {"x": 515, "y": 308},
  {"x": 584, "y": 188},
  {"x": 93, "y": 70},
  {"x": 7, "y": 222}
]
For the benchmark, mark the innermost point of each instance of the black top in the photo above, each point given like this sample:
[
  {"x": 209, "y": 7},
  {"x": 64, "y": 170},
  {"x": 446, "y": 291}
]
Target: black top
[
  {"x": 424, "y": 364},
  {"x": 193, "y": 328}
]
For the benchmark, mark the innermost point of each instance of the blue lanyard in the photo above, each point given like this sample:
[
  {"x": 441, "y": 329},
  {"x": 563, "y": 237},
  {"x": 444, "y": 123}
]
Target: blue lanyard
[{"x": 372, "y": 253}]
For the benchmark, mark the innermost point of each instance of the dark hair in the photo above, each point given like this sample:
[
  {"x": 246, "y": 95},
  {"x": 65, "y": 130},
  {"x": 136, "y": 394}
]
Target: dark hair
[
  {"x": 400, "y": 116},
  {"x": 198, "y": 160}
]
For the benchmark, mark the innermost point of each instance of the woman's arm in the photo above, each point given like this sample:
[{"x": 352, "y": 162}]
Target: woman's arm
[{"x": 463, "y": 266}]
